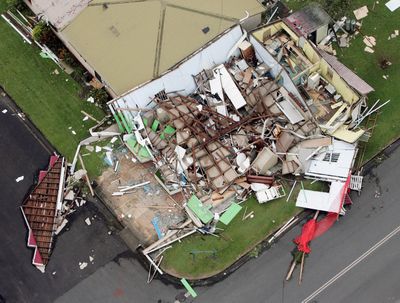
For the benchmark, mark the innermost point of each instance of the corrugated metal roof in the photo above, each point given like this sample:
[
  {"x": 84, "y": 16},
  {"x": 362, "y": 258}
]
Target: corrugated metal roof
[
  {"x": 348, "y": 75},
  {"x": 309, "y": 19}
]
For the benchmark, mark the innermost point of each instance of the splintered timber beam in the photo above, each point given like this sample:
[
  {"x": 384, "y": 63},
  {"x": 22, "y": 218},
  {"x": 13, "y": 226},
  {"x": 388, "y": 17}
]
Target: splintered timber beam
[
  {"x": 86, "y": 176},
  {"x": 198, "y": 136},
  {"x": 159, "y": 244},
  {"x": 231, "y": 128}
]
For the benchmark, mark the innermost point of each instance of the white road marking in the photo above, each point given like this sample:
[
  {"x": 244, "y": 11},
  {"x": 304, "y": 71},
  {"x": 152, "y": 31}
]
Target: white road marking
[{"x": 352, "y": 264}]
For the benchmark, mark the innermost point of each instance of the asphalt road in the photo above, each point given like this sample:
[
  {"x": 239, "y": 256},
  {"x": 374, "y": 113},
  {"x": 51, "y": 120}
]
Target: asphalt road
[
  {"x": 23, "y": 152},
  {"x": 374, "y": 278}
]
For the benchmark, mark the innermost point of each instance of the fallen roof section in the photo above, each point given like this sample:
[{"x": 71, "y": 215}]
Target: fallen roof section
[{"x": 41, "y": 208}]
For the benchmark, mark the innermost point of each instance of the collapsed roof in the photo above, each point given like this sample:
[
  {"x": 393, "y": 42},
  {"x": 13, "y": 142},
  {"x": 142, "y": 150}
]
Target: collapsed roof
[{"x": 237, "y": 116}]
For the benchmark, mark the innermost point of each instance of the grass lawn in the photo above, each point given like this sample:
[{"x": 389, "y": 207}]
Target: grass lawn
[
  {"x": 50, "y": 101},
  {"x": 236, "y": 240},
  {"x": 380, "y": 23}
]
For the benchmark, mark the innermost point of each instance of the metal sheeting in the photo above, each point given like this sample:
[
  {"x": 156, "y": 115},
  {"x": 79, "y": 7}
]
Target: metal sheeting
[
  {"x": 40, "y": 211},
  {"x": 349, "y": 76}
]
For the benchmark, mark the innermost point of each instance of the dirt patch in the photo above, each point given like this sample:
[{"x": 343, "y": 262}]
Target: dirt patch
[{"x": 137, "y": 209}]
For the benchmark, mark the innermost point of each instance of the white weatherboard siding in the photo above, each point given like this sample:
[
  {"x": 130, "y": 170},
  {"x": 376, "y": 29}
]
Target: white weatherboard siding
[
  {"x": 322, "y": 201},
  {"x": 230, "y": 88},
  {"x": 290, "y": 111},
  {"x": 332, "y": 170}
]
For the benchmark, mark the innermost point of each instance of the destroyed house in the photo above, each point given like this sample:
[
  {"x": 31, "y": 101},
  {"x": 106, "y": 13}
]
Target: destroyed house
[
  {"x": 333, "y": 93},
  {"x": 234, "y": 117},
  {"x": 126, "y": 43}
]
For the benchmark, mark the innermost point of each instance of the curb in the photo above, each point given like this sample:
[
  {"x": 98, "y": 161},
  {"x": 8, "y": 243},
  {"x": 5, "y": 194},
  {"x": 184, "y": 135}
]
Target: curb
[{"x": 385, "y": 152}]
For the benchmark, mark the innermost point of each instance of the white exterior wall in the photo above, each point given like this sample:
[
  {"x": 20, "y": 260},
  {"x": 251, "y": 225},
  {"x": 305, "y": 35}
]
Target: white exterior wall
[{"x": 180, "y": 79}]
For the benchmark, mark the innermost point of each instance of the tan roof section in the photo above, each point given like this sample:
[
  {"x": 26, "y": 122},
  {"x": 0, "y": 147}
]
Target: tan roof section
[
  {"x": 129, "y": 42},
  {"x": 177, "y": 46}
]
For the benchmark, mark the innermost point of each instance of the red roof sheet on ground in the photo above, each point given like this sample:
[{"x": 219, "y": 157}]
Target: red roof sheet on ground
[{"x": 40, "y": 211}]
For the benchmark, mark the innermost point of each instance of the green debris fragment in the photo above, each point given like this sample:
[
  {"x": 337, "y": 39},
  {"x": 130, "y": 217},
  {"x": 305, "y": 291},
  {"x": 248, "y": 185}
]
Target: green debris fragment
[
  {"x": 188, "y": 288},
  {"x": 168, "y": 132},
  {"x": 230, "y": 213},
  {"x": 202, "y": 212},
  {"x": 44, "y": 55},
  {"x": 120, "y": 127},
  {"x": 126, "y": 126},
  {"x": 155, "y": 125}
]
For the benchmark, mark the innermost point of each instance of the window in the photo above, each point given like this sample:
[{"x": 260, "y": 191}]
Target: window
[{"x": 331, "y": 157}]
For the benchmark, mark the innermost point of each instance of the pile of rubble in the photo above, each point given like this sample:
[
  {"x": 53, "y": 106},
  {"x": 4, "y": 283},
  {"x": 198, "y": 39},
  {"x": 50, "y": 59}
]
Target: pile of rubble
[{"x": 237, "y": 135}]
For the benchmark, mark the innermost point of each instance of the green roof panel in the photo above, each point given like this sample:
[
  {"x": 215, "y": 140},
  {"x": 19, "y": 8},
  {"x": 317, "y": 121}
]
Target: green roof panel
[
  {"x": 230, "y": 213},
  {"x": 196, "y": 206}
]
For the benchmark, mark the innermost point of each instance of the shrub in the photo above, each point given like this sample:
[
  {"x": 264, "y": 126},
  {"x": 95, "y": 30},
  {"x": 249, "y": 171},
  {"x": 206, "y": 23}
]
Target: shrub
[
  {"x": 100, "y": 96},
  {"x": 41, "y": 32}
]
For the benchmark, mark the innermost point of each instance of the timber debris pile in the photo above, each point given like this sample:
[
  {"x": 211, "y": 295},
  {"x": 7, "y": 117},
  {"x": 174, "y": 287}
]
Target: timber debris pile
[{"x": 248, "y": 124}]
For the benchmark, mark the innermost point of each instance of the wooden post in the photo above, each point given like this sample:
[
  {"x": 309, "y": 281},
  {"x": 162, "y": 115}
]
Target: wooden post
[
  {"x": 290, "y": 272},
  {"x": 86, "y": 176},
  {"x": 301, "y": 267},
  {"x": 89, "y": 116}
]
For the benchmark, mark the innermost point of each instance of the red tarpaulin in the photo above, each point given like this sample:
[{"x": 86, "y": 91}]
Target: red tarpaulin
[
  {"x": 307, "y": 234},
  {"x": 313, "y": 229}
]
